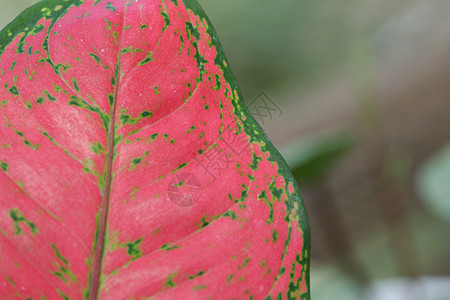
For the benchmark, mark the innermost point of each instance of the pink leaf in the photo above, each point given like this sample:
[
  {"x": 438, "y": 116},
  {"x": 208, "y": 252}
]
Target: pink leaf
[{"x": 130, "y": 166}]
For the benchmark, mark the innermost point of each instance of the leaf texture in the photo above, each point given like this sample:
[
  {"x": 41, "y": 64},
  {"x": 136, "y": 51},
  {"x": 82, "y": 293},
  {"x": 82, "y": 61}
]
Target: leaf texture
[{"x": 130, "y": 166}]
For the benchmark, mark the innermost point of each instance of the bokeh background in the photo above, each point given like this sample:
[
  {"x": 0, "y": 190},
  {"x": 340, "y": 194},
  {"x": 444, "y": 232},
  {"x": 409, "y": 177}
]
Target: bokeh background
[{"x": 356, "y": 96}]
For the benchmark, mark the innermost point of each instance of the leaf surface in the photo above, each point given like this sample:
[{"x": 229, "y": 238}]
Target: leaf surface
[{"x": 130, "y": 166}]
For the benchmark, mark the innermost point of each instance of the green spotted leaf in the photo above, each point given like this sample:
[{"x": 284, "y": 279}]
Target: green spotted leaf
[{"x": 130, "y": 167}]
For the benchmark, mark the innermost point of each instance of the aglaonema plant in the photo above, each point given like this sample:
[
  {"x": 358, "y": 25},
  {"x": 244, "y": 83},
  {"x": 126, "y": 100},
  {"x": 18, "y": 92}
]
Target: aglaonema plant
[{"x": 130, "y": 166}]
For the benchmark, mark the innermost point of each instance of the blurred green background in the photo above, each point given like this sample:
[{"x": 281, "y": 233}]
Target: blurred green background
[{"x": 357, "y": 99}]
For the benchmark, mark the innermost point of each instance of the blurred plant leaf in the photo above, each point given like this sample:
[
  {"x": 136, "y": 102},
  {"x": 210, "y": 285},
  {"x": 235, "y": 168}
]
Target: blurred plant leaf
[
  {"x": 311, "y": 158},
  {"x": 433, "y": 183}
]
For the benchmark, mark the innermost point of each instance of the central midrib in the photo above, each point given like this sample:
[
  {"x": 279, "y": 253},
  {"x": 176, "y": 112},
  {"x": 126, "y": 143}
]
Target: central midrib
[{"x": 104, "y": 204}]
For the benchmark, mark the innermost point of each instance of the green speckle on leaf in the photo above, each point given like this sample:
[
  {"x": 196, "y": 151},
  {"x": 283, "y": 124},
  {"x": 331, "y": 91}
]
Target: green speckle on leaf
[
  {"x": 58, "y": 255},
  {"x": 36, "y": 29},
  {"x": 182, "y": 166},
  {"x": 166, "y": 19},
  {"x": 133, "y": 249},
  {"x": 255, "y": 161},
  {"x": 110, "y": 7},
  {"x": 97, "y": 148},
  {"x": 153, "y": 137},
  {"x": 111, "y": 98},
  {"x": 130, "y": 50},
  {"x": 192, "y": 31},
  {"x": 218, "y": 83},
  {"x": 147, "y": 59},
  {"x": 127, "y": 119},
  {"x": 230, "y": 214},
  {"x": 168, "y": 247},
  {"x": 196, "y": 275},
  {"x": 192, "y": 128},
  {"x": 13, "y": 65},
  {"x": 13, "y": 90},
  {"x": 136, "y": 161},
  {"x": 4, "y": 166},
  {"x": 10, "y": 281},
  {"x": 205, "y": 222},
  {"x": 60, "y": 275},
  {"x": 63, "y": 67},
  {"x": 230, "y": 278},
  {"x": 263, "y": 196},
  {"x": 50, "y": 96},
  {"x": 17, "y": 216},
  {"x": 244, "y": 263},
  {"x": 75, "y": 84},
  {"x": 62, "y": 295},
  {"x": 146, "y": 114},
  {"x": 29, "y": 144},
  {"x": 95, "y": 57},
  {"x": 276, "y": 192},
  {"x": 274, "y": 235},
  {"x": 21, "y": 184},
  {"x": 65, "y": 274},
  {"x": 170, "y": 282},
  {"x": 48, "y": 136}
]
